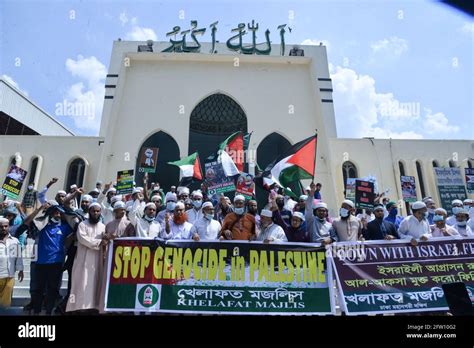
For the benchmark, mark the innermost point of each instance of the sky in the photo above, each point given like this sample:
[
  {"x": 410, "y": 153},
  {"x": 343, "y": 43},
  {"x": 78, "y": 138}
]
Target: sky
[{"x": 399, "y": 69}]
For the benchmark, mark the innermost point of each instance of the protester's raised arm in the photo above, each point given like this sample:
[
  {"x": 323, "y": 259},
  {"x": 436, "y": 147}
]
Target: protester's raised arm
[{"x": 35, "y": 212}]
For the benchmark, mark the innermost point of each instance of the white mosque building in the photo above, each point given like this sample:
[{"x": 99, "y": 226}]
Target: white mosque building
[{"x": 182, "y": 102}]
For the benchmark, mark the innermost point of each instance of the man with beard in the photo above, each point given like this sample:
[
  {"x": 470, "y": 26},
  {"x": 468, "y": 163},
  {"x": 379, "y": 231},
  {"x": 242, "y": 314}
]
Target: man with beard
[
  {"x": 379, "y": 229},
  {"x": 83, "y": 211},
  {"x": 87, "y": 264},
  {"x": 238, "y": 225},
  {"x": 178, "y": 227},
  {"x": 316, "y": 215},
  {"x": 146, "y": 225},
  {"x": 10, "y": 262},
  {"x": 206, "y": 228},
  {"x": 119, "y": 227},
  {"x": 252, "y": 208},
  {"x": 270, "y": 232}
]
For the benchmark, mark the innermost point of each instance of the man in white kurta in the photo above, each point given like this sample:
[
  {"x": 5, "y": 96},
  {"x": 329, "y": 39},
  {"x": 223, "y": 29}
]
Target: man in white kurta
[
  {"x": 195, "y": 213},
  {"x": 146, "y": 226},
  {"x": 206, "y": 228},
  {"x": 270, "y": 232},
  {"x": 177, "y": 227},
  {"x": 415, "y": 226},
  {"x": 86, "y": 271}
]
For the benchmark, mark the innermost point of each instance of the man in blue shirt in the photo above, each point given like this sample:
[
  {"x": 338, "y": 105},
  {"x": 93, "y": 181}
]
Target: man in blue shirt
[{"x": 52, "y": 234}]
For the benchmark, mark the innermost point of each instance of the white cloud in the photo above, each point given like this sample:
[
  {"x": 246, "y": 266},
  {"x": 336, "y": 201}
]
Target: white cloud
[
  {"x": 316, "y": 42},
  {"x": 141, "y": 34},
  {"x": 468, "y": 28},
  {"x": 137, "y": 33},
  {"x": 393, "y": 46},
  {"x": 123, "y": 18},
  {"x": 438, "y": 123},
  {"x": 14, "y": 83},
  {"x": 363, "y": 112},
  {"x": 84, "y": 100}
]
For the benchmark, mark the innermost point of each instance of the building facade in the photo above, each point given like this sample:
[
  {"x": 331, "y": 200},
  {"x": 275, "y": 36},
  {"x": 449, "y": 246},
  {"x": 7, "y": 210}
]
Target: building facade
[{"x": 187, "y": 102}]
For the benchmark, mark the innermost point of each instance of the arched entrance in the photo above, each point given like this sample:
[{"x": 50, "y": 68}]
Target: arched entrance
[
  {"x": 270, "y": 148},
  {"x": 168, "y": 151},
  {"x": 211, "y": 122}
]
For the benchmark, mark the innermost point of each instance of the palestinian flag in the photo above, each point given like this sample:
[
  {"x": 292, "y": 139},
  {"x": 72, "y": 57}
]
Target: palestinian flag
[
  {"x": 294, "y": 164},
  {"x": 231, "y": 154},
  {"x": 190, "y": 168}
]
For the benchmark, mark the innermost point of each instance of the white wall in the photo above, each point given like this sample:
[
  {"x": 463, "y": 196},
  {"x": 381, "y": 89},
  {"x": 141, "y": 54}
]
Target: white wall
[
  {"x": 381, "y": 160},
  {"x": 56, "y": 154}
]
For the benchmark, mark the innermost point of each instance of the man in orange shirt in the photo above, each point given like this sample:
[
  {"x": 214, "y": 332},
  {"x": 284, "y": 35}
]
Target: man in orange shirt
[{"x": 238, "y": 225}]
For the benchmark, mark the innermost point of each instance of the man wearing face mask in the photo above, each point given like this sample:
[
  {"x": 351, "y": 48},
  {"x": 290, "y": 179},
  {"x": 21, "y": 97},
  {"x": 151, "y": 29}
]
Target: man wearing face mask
[
  {"x": 461, "y": 223},
  {"x": 270, "y": 232},
  {"x": 393, "y": 216},
  {"x": 30, "y": 199},
  {"x": 177, "y": 227},
  {"x": 11, "y": 261},
  {"x": 49, "y": 264},
  {"x": 469, "y": 206},
  {"x": 415, "y": 226},
  {"x": 456, "y": 206},
  {"x": 146, "y": 226},
  {"x": 206, "y": 228},
  {"x": 170, "y": 203},
  {"x": 346, "y": 227},
  {"x": 238, "y": 225},
  {"x": 440, "y": 229},
  {"x": 430, "y": 206},
  {"x": 195, "y": 213}
]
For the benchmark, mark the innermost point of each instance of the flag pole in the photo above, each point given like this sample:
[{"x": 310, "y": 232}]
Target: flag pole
[{"x": 315, "y": 153}]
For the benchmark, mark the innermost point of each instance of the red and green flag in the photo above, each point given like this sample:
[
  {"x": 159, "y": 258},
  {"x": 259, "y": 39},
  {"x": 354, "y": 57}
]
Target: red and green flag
[
  {"x": 294, "y": 164},
  {"x": 190, "y": 168}
]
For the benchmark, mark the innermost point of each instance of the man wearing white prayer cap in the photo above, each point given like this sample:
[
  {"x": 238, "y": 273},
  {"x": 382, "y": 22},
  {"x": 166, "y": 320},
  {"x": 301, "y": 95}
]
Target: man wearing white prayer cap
[
  {"x": 145, "y": 226},
  {"x": 177, "y": 227},
  {"x": 86, "y": 201},
  {"x": 456, "y": 206},
  {"x": 105, "y": 201},
  {"x": 462, "y": 224},
  {"x": 12, "y": 262},
  {"x": 195, "y": 213},
  {"x": 316, "y": 214},
  {"x": 238, "y": 225},
  {"x": 206, "y": 228},
  {"x": 183, "y": 193},
  {"x": 415, "y": 227},
  {"x": 170, "y": 203},
  {"x": 86, "y": 270},
  {"x": 270, "y": 232},
  {"x": 346, "y": 227}
]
